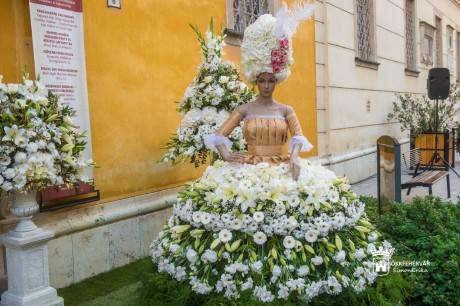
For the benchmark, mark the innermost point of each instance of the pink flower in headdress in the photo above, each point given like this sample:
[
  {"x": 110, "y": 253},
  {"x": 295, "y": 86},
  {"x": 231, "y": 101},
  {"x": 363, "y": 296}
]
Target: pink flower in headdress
[
  {"x": 284, "y": 43},
  {"x": 275, "y": 53},
  {"x": 276, "y": 69}
]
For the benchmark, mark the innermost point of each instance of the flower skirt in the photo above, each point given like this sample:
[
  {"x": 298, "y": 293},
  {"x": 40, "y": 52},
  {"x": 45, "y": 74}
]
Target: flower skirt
[{"x": 252, "y": 227}]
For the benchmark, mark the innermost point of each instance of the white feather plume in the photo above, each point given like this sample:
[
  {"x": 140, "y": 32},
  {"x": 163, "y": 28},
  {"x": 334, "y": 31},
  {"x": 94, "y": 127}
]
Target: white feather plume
[{"x": 287, "y": 20}]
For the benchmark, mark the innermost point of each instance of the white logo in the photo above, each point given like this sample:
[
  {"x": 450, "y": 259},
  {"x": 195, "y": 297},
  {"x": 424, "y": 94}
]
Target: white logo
[{"x": 381, "y": 259}]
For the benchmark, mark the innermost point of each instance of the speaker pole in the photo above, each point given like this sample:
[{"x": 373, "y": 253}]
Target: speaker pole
[{"x": 436, "y": 156}]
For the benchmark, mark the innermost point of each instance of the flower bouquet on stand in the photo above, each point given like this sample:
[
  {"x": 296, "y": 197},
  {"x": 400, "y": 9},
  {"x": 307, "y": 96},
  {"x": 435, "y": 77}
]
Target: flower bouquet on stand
[
  {"x": 215, "y": 92},
  {"x": 40, "y": 146}
]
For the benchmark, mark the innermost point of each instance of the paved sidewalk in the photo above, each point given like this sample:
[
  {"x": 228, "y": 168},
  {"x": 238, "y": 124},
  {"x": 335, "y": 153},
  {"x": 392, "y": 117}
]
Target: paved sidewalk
[{"x": 368, "y": 187}]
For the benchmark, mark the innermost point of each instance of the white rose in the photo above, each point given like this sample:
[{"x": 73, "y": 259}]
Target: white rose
[
  {"x": 231, "y": 85},
  {"x": 12, "y": 88},
  {"x": 208, "y": 79},
  {"x": 224, "y": 79}
]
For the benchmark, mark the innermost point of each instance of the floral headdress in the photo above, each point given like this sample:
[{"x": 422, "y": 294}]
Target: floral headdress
[{"x": 267, "y": 44}]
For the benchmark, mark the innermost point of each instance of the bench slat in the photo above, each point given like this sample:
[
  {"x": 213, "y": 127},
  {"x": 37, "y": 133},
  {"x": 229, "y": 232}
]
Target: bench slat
[{"x": 426, "y": 178}]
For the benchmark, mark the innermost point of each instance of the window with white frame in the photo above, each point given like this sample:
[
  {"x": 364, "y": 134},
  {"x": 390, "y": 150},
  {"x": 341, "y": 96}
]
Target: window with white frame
[
  {"x": 450, "y": 48},
  {"x": 426, "y": 43},
  {"x": 241, "y": 13},
  {"x": 411, "y": 53},
  {"x": 438, "y": 42},
  {"x": 365, "y": 34}
]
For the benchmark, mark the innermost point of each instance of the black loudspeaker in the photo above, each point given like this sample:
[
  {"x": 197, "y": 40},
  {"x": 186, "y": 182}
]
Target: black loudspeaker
[{"x": 438, "y": 83}]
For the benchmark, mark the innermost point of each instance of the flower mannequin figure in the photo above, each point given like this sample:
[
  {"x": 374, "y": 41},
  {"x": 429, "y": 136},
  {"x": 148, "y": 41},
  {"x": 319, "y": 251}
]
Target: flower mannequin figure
[{"x": 264, "y": 221}]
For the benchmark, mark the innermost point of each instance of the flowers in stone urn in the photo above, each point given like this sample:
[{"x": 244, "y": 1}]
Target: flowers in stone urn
[{"x": 40, "y": 146}]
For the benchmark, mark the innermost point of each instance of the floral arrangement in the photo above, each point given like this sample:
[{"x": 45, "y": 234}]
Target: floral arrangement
[
  {"x": 40, "y": 146},
  {"x": 267, "y": 43},
  {"x": 215, "y": 92},
  {"x": 418, "y": 114},
  {"x": 261, "y": 51},
  {"x": 252, "y": 227}
]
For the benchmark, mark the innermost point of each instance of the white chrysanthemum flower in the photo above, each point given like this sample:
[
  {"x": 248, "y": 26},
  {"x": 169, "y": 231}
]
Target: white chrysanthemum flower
[
  {"x": 340, "y": 256},
  {"x": 260, "y": 238},
  {"x": 289, "y": 242},
  {"x": 303, "y": 270},
  {"x": 209, "y": 256},
  {"x": 317, "y": 260},
  {"x": 192, "y": 255},
  {"x": 257, "y": 267},
  {"x": 372, "y": 237},
  {"x": 225, "y": 235}
]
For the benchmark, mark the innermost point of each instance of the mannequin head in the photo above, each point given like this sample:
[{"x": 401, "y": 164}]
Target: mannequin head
[{"x": 266, "y": 83}]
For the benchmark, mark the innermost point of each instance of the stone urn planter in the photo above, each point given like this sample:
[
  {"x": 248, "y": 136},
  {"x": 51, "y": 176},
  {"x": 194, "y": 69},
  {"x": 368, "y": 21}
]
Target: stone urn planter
[{"x": 24, "y": 207}]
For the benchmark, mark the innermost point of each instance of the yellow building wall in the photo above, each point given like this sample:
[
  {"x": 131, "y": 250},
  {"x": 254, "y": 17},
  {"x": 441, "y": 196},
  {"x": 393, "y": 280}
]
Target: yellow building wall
[
  {"x": 15, "y": 40},
  {"x": 139, "y": 61}
]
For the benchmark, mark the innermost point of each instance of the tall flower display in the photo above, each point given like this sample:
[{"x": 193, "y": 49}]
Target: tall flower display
[
  {"x": 215, "y": 92},
  {"x": 40, "y": 146}
]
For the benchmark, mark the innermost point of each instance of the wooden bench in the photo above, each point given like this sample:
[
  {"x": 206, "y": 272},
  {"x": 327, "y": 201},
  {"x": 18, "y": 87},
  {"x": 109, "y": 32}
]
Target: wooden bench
[{"x": 411, "y": 161}]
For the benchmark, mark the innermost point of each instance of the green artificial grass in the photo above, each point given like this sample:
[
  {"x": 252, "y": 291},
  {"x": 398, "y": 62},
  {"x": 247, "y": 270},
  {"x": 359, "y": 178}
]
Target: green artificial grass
[{"x": 116, "y": 287}]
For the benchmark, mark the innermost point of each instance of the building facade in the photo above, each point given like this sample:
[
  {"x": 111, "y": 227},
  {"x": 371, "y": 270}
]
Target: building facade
[
  {"x": 349, "y": 63},
  {"x": 366, "y": 52},
  {"x": 139, "y": 61}
]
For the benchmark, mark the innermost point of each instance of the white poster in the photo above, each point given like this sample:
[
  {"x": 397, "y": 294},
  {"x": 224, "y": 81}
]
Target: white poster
[{"x": 59, "y": 53}]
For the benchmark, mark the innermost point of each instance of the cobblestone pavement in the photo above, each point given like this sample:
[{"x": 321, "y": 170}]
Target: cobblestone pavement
[{"x": 368, "y": 187}]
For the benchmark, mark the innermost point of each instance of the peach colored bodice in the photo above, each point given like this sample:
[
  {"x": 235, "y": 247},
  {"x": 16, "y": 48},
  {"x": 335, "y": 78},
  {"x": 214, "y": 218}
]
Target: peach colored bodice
[{"x": 264, "y": 135}]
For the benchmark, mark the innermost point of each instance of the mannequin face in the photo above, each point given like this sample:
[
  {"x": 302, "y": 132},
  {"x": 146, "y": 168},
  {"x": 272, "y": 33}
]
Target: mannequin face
[{"x": 266, "y": 83}]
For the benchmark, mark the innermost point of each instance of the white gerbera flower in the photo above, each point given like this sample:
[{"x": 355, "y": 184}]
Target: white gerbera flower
[
  {"x": 289, "y": 242},
  {"x": 280, "y": 209},
  {"x": 258, "y": 216},
  {"x": 236, "y": 224},
  {"x": 196, "y": 216},
  {"x": 245, "y": 184},
  {"x": 225, "y": 235},
  {"x": 206, "y": 218},
  {"x": 293, "y": 201},
  {"x": 260, "y": 238},
  {"x": 311, "y": 235}
]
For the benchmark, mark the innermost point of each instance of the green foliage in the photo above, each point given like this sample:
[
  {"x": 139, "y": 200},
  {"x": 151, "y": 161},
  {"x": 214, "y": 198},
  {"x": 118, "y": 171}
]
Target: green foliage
[
  {"x": 106, "y": 284},
  {"x": 418, "y": 114},
  {"x": 160, "y": 289},
  {"x": 426, "y": 229}
]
